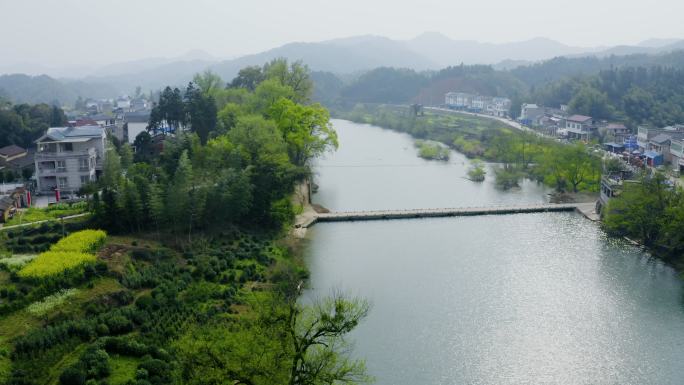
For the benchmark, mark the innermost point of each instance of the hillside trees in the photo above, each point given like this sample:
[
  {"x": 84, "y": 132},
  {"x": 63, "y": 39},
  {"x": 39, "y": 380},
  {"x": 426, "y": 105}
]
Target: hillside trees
[
  {"x": 23, "y": 123},
  {"x": 194, "y": 108},
  {"x": 234, "y": 165}
]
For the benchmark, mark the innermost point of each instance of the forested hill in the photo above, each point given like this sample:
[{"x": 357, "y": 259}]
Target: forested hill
[
  {"x": 561, "y": 67},
  {"x": 20, "y": 88},
  {"x": 634, "y": 89}
]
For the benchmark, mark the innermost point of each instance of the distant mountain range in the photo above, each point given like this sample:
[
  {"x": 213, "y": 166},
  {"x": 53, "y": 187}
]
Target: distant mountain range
[{"x": 428, "y": 51}]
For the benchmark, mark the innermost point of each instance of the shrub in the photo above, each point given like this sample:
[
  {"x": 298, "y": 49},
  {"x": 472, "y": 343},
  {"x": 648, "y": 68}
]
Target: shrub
[
  {"x": 141, "y": 254},
  {"x": 55, "y": 262},
  {"x": 72, "y": 376},
  {"x": 96, "y": 362},
  {"x": 119, "y": 324}
]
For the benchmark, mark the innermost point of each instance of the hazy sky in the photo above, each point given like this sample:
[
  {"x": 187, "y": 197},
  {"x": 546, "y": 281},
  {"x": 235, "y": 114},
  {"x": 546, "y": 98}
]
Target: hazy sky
[{"x": 87, "y": 32}]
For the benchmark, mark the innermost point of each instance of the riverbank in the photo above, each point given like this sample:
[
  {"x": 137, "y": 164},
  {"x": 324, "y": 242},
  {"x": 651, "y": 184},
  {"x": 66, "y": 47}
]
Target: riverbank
[{"x": 565, "y": 167}]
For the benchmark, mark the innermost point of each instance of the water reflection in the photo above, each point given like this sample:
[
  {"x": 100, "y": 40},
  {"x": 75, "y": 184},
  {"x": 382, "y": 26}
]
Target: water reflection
[{"x": 517, "y": 299}]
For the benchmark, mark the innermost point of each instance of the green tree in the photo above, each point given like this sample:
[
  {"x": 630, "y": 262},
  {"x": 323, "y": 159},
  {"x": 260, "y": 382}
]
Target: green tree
[
  {"x": 306, "y": 130},
  {"x": 294, "y": 75},
  {"x": 640, "y": 211},
  {"x": 208, "y": 82},
  {"x": 590, "y": 101},
  {"x": 317, "y": 333},
  {"x": 178, "y": 200},
  {"x": 111, "y": 170},
  {"x": 126, "y": 156},
  {"x": 201, "y": 109},
  {"x": 249, "y": 78}
]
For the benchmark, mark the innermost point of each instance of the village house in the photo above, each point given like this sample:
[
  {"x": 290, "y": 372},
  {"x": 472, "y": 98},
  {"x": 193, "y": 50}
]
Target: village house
[
  {"x": 114, "y": 123},
  {"x": 11, "y": 201},
  {"x": 139, "y": 104},
  {"x": 618, "y": 131},
  {"x": 123, "y": 103},
  {"x": 500, "y": 107},
  {"x": 645, "y": 134},
  {"x": 457, "y": 100},
  {"x": 69, "y": 157},
  {"x": 579, "y": 127},
  {"x": 11, "y": 152},
  {"x": 677, "y": 154}
]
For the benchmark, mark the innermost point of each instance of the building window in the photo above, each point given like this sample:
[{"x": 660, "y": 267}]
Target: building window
[
  {"x": 62, "y": 182},
  {"x": 84, "y": 164},
  {"x": 67, "y": 147},
  {"x": 61, "y": 165},
  {"x": 85, "y": 179}
]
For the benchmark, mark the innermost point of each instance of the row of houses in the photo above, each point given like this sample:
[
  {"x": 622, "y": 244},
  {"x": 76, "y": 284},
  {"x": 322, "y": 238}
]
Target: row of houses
[
  {"x": 559, "y": 122},
  {"x": 662, "y": 146},
  {"x": 491, "y": 105}
]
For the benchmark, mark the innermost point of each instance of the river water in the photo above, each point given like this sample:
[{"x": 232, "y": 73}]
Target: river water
[{"x": 517, "y": 299}]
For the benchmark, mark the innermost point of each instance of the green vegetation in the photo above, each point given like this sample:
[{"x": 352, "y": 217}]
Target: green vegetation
[
  {"x": 21, "y": 124},
  {"x": 401, "y": 86},
  {"x": 21, "y": 88},
  {"x": 50, "y": 302},
  {"x": 85, "y": 241},
  {"x": 56, "y": 211},
  {"x": 566, "y": 167},
  {"x": 432, "y": 150},
  {"x": 477, "y": 171},
  {"x": 16, "y": 262},
  {"x": 634, "y": 89},
  {"x": 198, "y": 283},
  {"x": 67, "y": 255},
  {"x": 55, "y": 262},
  {"x": 650, "y": 211}
]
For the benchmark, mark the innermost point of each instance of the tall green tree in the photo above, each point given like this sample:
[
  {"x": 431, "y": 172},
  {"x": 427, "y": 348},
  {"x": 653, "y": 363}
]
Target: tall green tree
[
  {"x": 201, "y": 109},
  {"x": 178, "y": 200},
  {"x": 306, "y": 130},
  {"x": 208, "y": 82}
]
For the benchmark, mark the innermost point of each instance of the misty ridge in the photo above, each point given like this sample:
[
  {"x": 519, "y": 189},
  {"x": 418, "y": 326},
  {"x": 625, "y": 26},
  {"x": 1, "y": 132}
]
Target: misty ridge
[{"x": 337, "y": 63}]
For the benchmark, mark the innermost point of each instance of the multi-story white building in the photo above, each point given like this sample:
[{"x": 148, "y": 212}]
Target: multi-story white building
[
  {"x": 69, "y": 157},
  {"x": 458, "y": 99},
  {"x": 500, "y": 107}
]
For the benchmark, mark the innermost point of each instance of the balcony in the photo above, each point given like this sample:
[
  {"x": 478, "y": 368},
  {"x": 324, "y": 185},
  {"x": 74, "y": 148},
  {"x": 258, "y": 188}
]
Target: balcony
[
  {"x": 51, "y": 171},
  {"x": 45, "y": 155}
]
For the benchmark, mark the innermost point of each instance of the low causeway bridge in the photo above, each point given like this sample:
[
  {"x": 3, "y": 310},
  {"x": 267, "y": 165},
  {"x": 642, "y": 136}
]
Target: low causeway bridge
[{"x": 587, "y": 209}]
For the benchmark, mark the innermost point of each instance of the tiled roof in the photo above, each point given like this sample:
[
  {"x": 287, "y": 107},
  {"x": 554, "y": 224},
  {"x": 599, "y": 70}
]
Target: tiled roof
[
  {"x": 11, "y": 150},
  {"x": 71, "y": 133},
  {"x": 661, "y": 138}
]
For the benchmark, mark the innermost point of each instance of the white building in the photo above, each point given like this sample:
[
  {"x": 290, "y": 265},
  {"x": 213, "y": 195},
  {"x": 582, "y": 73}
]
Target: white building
[
  {"x": 458, "y": 99},
  {"x": 69, "y": 157},
  {"x": 500, "y": 107}
]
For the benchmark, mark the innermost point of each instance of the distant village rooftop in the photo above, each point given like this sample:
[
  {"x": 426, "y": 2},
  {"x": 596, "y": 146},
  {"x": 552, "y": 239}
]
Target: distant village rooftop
[
  {"x": 579, "y": 118},
  {"x": 11, "y": 151}
]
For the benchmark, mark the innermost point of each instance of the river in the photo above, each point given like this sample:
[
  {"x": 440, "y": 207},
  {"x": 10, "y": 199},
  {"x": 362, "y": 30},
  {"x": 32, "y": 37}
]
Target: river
[{"x": 517, "y": 299}]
